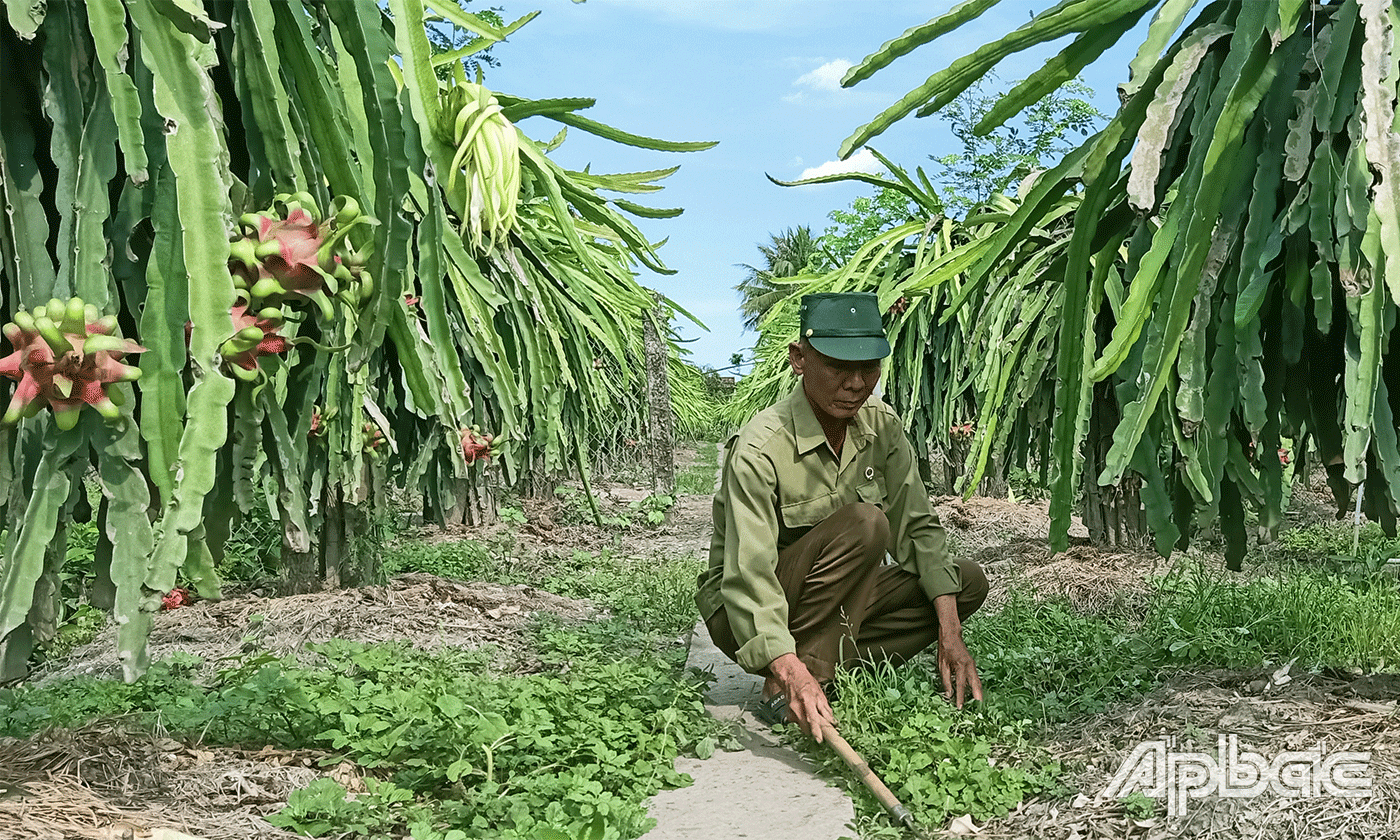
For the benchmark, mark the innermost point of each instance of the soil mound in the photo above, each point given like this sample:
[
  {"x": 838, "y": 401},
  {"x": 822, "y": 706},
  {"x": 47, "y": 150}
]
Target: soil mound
[{"x": 427, "y": 611}]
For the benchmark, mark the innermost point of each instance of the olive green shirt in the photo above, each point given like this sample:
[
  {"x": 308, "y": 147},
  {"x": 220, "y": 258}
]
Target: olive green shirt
[{"x": 780, "y": 479}]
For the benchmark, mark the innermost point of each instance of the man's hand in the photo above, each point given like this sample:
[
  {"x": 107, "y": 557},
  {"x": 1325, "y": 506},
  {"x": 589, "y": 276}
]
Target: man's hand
[
  {"x": 807, "y": 704},
  {"x": 955, "y": 664}
]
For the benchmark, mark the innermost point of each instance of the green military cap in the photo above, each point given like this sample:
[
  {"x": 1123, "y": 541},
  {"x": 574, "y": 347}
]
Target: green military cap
[{"x": 844, "y": 325}]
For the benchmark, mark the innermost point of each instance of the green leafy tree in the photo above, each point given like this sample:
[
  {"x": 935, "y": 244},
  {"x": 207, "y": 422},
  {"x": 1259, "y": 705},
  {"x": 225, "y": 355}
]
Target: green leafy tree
[
  {"x": 865, "y": 218},
  {"x": 993, "y": 162},
  {"x": 788, "y": 254},
  {"x": 475, "y": 52},
  {"x": 967, "y": 179}
]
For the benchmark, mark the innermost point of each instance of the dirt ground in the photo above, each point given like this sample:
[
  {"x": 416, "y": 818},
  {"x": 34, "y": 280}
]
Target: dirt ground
[{"x": 109, "y": 781}]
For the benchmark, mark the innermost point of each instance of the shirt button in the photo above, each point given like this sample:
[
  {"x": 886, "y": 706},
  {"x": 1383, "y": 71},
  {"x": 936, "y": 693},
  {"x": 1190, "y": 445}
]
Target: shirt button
[{"x": 869, "y": 472}]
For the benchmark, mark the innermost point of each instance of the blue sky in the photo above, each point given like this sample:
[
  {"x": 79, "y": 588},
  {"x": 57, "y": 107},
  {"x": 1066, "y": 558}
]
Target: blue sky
[{"x": 759, "y": 76}]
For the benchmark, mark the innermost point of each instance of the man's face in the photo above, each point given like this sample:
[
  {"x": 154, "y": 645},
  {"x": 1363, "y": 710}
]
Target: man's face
[{"x": 835, "y": 388}]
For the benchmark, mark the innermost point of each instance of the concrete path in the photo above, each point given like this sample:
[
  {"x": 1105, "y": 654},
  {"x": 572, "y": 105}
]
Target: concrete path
[{"x": 765, "y": 791}]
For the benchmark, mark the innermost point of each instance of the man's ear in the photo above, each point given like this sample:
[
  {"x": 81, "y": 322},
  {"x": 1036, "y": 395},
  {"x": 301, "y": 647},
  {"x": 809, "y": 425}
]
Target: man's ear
[{"x": 795, "y": 357}]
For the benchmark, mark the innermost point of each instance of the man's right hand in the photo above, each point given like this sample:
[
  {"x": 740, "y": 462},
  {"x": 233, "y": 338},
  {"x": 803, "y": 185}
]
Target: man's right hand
[{"x": 807, "y": 703}]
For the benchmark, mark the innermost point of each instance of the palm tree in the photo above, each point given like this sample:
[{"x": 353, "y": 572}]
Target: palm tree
[{"x": 794, "y": 251}]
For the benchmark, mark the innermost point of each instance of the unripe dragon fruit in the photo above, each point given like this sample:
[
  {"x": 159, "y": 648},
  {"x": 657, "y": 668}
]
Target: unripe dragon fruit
[
  {"x": 374, "y": 441},
  {"x": 475, "y": 446},
  {"x": 256, "y": 336},
  {"x": 288, "y": 253},
  {"x": 65, "y": 355}
]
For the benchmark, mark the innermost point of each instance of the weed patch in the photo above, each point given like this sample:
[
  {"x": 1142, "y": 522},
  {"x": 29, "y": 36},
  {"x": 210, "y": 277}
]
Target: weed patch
[
  {"x": 1204, "y": 617},
  {"x": 655, "y": 592},
  {"x": 1335, "y": 545},
  {"x": 449, "y": 747},
  {"x": 1042, "y": 661},
  {"x": 466, "y": 560},
  {"x": 938, "y": 761}
]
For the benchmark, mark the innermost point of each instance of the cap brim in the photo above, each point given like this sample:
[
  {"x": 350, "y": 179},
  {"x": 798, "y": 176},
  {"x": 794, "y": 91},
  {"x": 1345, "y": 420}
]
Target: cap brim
[{"x": 851, "y": 348}]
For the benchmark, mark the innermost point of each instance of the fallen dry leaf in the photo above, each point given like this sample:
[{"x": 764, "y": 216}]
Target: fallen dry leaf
[{"x": 962, "y": 827}]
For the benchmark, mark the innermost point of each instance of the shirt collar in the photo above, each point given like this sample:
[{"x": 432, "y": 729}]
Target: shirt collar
[{"x": 808, "y": 432}]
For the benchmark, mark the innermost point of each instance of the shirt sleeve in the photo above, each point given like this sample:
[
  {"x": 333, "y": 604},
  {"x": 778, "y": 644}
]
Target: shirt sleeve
[
  {"x": 753, "y": 599},
  {"x": 917, "y": 540}
]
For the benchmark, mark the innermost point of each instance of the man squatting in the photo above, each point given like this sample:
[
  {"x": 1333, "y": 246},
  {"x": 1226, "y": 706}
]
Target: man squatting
[{"x": 816, "y": 491}]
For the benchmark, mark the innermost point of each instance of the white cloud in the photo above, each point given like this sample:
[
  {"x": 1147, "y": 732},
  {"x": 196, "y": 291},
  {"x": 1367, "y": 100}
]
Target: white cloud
[
  {"x": 826, "y": 77},
  {"x": 861, "y": 161},
  {"x": 822, "y": 83}
]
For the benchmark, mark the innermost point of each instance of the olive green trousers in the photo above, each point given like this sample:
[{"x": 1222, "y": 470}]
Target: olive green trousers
[{"x": 845, "y": 605}]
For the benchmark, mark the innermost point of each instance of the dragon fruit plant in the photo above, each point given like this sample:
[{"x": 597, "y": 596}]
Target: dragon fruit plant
[{"x": 65, "y": 357}]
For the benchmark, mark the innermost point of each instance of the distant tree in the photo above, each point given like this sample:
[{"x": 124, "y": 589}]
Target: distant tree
[
  {"x": 445, "y": 37},
  {"x": 1037, "y": 139},
  {"x": 866, "y": 218},
  {"x": 966, "y": 179},
  {"x": 790, "y": 253}
]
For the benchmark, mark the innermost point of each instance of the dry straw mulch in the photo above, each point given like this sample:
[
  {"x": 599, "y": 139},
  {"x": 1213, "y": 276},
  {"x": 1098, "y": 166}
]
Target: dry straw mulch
[
  {"x": 111, "y": 780},
  {"x": 1011, "y": 541},
  {"x": 424, "y": 610},
  {"x": 1309, "y": 713}
]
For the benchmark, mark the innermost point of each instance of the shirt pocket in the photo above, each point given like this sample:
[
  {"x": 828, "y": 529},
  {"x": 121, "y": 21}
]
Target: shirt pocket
[
  {"x": 872, "y": 492},
  {"x": 806, "y": 513}
]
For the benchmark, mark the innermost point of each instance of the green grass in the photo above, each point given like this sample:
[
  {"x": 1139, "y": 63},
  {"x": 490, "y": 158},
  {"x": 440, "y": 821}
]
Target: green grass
[
  {"x": 1335, "y": 545},
  {"x": 654, "y": 592},
  {"x": 698, "y": 479},
  {"x": 1202, "y": 616}
]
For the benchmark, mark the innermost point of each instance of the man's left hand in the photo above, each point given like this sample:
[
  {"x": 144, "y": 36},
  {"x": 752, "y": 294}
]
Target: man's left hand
[
  {"x": 955, "y": 664},
  {"x": 957, "y": 668}
]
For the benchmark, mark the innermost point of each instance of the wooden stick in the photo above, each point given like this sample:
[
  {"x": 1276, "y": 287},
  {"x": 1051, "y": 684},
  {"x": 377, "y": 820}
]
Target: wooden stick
[{"x": 867, "y": 776}]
